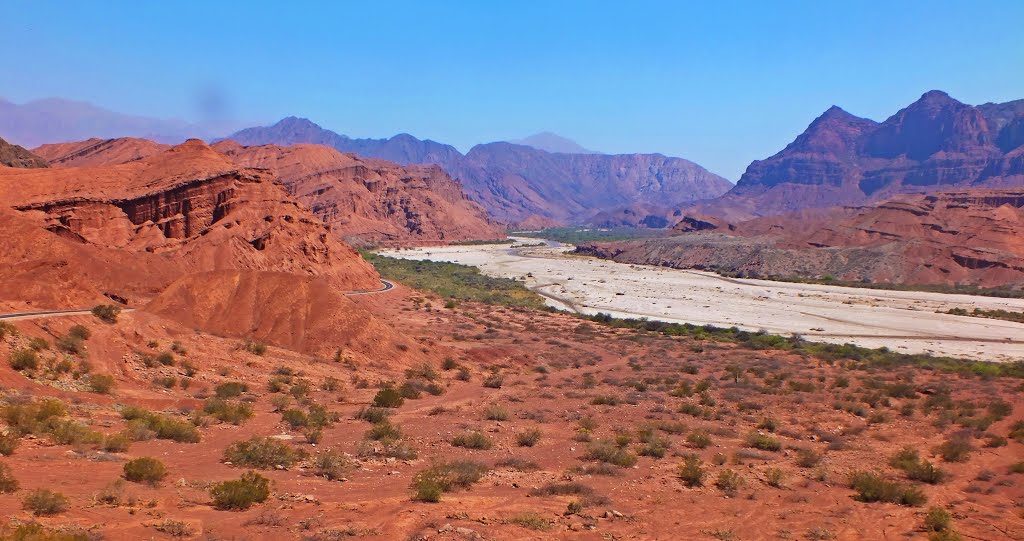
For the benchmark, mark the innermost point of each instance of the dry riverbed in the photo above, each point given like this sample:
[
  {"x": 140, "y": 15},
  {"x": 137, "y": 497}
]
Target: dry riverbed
[{"x": 905, "y": 321}]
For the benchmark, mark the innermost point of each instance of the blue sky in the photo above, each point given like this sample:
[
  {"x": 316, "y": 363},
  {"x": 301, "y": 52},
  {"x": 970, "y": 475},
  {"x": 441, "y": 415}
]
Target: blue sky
[{"x": 721, "y": 83}]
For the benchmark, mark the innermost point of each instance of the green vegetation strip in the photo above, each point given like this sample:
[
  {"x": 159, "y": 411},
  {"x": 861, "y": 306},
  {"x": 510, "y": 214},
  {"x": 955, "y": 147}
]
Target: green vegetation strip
[
  {"x": 573, "y": 235},
  {"x": 455, "y": 282},
  {"x": 463, "y": 282},
  {"x": 868, "y": 357},
  {"x": 1007, "y": 315},
  {"x": 927, "y": 288}
]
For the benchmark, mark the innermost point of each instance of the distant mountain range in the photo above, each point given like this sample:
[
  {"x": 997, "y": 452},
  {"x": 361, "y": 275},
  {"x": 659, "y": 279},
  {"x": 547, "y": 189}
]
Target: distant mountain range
[
  {"x": 935, "y": 143},
  {"x": 524, "y": 185},
  {"x": 552, "y": 142},
  {"x": 57, "y": 120}
]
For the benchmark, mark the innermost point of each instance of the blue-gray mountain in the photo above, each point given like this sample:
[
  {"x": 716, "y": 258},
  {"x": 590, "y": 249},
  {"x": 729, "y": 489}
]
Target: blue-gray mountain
[{"x": 522, "y": 185}]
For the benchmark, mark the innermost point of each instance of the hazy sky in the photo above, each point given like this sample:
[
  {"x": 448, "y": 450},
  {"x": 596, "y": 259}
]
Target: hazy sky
[{"x": 720, "y": 83}]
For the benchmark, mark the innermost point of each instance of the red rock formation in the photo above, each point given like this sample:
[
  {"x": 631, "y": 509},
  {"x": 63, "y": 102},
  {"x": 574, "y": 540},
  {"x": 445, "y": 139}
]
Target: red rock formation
[
  {"x": 372, "y": 201},
  {"x": 936, "y": 143},
  {"x": 973, "y": 237},
  {"x": 16, "y": 156},
  {"x": 187, "y": 209},
  {"x": 92, "y": 152}
]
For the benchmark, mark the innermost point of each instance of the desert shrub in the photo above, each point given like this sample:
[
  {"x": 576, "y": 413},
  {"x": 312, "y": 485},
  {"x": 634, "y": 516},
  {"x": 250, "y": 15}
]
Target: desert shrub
[
  {"x": 101, "y": 383},
  {"x": 955, "y": 449},
  {"x": 872, "y": 487},
  {"x": 295, "y": 418},
  {"x": 384, "y": 430},
  {"x": 494, "y": 412},
  {"x": 729, "y": 482},
  {"x": 331, "y": 464},
  {"x": 228, "y": 411},
  {"x": 807, "y": 458},
  {"x": 106, "y": 312},
  {"x": 81, "y": 332},
  {"x": 24, "y": 359},
  {"x": 242, "y": 493},
  {"x": 8, "y": 443},
  {"x": 38, "y": 344},
  {"x": 655, "y": 445},
  {"x": 68, "y": 432},
  {"x": 388, "y": 397},
  {"x": 33, "y": 417},
  {"x": 528, "y": 438},
  {"x": 230, "y": 389},
  {"x": 473, "y": 440},
  {"x": 147, "y": 470},
  {"x": 494, "y": 381},
  {"x": 7, "y": 329},
  {"x": 773, "y": 477},
  {"x": 8, "y": 483},
  {"x": 937, "y": 519},
  {"x": 691, "y": 471},
  {"x": 116, "y": 443},
  {"x": 763, "y": 442},
  {"x": 262, "y": 453},
  {"x": 163, "y": 426},
  {"x": 1017, "y": 467},
  {"x": 70, "y": 344},
  {"x": 33, "y": 531},
  {"x": 256, "y": 348},
  {"x": 449, "y": 364},
  {"x": 373, "y": 414},
  {"x": 45, "y": 502},
  {"x": 429, "y": 484},
  {"x": 608, "y": 452},
  {"x": 699, "y": 439}
]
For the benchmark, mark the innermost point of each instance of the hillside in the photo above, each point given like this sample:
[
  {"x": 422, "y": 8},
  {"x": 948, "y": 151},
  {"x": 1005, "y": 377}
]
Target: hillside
[{"x": 935, "y": 143}]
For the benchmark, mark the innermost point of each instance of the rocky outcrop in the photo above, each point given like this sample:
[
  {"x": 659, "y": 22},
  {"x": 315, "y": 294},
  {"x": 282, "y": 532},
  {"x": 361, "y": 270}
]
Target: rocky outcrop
[
  {"x": 182, "y": 211},
  {"x": 16, "y": 156},
  {"x": 936, "y": 143},
  {"x": 93, "y": 152},
  {"x": 521, "y": 185},
  {"x": 971, "y": 237},
  {"x": 372, "y": 201}
]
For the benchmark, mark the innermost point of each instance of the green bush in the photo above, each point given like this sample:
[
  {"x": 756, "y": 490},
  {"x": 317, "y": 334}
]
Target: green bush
[
  {"x": 163, "y": 427},
  {"x": 37, "y": 532},
  {"x": 242, "y": 493},
  {"x": 106, "y": 312},
  {"x": 71, "y": 344},
  {"x": 473, "y": 440},
  {"x": 8, "y": 483},
  {"x": 699, "y": 439},
  {"x": 608, "y": 452},
  {"x": 33, "y": 417},
  {"x": 429, "y": 484},
  {"x": 388, "y": 397},
  {"x": 262, "y": 453},
  {"x": 24, "y": 359},
  {"x": 729, "y": 482},
  {"x": 871, "y": 487},
  {"x": 44, "y": 502},
  {"x": 256, "y": 348},
  {"x": 38, "y": 344},
  {"x": 228, "y": 411},
  {"x": 145, "y": 470},
  {"x": 691, "y": 471},
  {"x": 373, "y": 414},
  {"x": 230, "y": 389},
  {"x": 763, "y": 442}
]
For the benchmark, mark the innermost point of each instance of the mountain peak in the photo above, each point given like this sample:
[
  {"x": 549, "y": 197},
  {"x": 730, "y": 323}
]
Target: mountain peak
[{"x": 552, "y": 142}]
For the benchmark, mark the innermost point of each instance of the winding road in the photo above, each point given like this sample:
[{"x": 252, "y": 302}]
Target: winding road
[{"x": 386, "y": 286}]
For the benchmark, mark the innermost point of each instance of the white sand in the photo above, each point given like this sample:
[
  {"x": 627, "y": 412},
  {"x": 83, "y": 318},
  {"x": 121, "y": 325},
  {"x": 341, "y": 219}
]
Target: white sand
[{"x": 900, "y": 320}]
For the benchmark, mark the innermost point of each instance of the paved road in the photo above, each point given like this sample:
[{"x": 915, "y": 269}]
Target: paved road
[{"x": 387, "y": 286}]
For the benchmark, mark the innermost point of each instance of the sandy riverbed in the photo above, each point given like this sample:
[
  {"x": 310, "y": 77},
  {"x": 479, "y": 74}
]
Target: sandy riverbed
[{"x": 901, "y": 320}]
